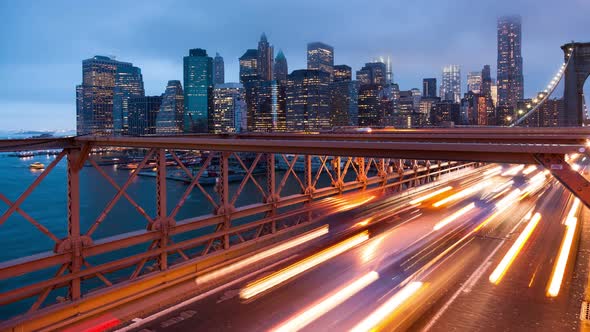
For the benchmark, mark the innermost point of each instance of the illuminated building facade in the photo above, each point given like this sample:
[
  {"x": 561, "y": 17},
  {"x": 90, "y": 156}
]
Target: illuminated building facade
[
  {"x": 474, "y": 81},
  {"x": 249, "y": 79},
  {"x": 510, "y": 77},
  {"x": 269, "y": 115},
  {"x": 170, "y": 116},
  {"x": 308, "y": 100},
  {"x": 320, "y": 56},
  {"x": 229, "y": 108},
  {"x": 143, "y": 114},
  {"x": 128, "y": 84},
  {"x": 198, "y": 83},
  {"x": 95, "y": 96},
  {"x": 344, "y": 97},
  {"x": 450, "y": 88}
]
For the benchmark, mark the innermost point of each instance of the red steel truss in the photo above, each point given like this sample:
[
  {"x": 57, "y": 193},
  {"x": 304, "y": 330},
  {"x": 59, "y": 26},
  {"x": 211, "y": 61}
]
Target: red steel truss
[{"x": 380, "y": 161}]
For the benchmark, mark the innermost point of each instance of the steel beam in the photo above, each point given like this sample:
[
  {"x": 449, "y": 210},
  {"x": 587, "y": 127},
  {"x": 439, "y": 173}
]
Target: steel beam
[
  {"x": 563, "y": 172},
  {"x": 434, "y": 150}
]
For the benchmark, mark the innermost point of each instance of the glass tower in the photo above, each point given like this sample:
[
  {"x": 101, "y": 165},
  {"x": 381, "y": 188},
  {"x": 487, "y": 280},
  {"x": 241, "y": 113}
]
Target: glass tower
[
  {"x": 308, "y": 100},
  {"x": 218, "y": 69},
  {"x": 320, "y": 56},
  {"x": 450, "y": 88},
  {"x": 510, "y": 78},
  {"x": 95, "y": 96},
  {"x": 128, "y": 84},
  {"x": 198, "y": 81},
  {"x": 281, "y": 70},
  {"x": 169, "y": 120}
]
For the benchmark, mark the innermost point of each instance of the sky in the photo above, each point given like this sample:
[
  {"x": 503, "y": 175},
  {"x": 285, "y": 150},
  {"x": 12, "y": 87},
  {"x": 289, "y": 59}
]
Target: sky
[{"x": 44, "y": 42}]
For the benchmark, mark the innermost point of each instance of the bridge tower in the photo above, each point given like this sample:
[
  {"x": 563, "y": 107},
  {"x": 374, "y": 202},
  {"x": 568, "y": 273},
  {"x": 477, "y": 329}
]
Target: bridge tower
[{"x": 576, "y": 74}]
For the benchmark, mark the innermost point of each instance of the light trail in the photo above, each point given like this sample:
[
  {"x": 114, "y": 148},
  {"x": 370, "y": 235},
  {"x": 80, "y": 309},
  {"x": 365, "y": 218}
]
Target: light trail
[
  {"x": 558, "y": 273},
  {"x": 462, "y": 193},
  {"x": 514, "y": 250},
  {"x": 388, "y": 308},
  {"x": 513, "y": 171},
  {"x": 454, "y": 216},
  {"x": 430, "y": 195},
  {"x": 493, "y": 171},
  {"x": 264, "y": 284},
  {"x": 263, "y": 255},
  {"x": 316, "y": 311},
  {"x": 350, "y": 206},
  {"x": 529, "y": 169},
  {"x": 503, "y": 186}
]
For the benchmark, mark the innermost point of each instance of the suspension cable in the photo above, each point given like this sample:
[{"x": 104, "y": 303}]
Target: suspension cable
[{"x": 543, "y": 96}]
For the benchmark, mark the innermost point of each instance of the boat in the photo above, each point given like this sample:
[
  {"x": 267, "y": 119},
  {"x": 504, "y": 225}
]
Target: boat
[{"x": 37, "y": 165}]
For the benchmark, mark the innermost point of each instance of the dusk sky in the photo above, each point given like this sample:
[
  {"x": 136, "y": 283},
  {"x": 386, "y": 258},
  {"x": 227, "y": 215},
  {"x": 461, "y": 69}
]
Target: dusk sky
[{"x": 44, "y": 42}]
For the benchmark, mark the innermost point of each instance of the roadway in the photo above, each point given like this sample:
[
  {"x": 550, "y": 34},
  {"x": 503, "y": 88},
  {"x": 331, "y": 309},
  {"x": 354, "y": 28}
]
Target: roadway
[{"x": 437, "y": 249}]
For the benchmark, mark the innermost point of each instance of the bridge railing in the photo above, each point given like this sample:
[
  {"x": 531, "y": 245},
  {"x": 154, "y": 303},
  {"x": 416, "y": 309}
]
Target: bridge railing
[{"x": 235, "y": 199}]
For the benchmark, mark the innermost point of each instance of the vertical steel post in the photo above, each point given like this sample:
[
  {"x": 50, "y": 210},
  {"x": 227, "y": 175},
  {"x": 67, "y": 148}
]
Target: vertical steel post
[
  {"x": 224, "y": 195},
  {"x": 271, "y": 187},
  {"x": 162, "y": 213},
  {"x": 74, "y": 220}
]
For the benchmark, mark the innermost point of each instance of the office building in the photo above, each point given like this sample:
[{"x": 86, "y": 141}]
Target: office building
[
  {"x": 342, "y": 73},
  {"x": 474, "y": 81},
  {"x": 265, "y": 59},
  {"x": 128, "y": 84},
  {"x": 249, "y": 79},
  {"x": 450, "y": 88},
  {"x": 218, "y": 70},
  {"x": 143, "y": 114},
  {"x": 281, "y": 69},
  {"x": 429, "y": 87},
  {"x": 372, "y": 73},
  {"x": 510, "y": 79},
  {"x": 308, "y": 100},
  {"x": 198, "y": 83},
  {"x": 229, "y": 108},
  {"x": 170, "y": 117},
  {"x": 320, "y": 56},
  {"x": 269, "y": 114},
  {"x": 445, "y": 112},
  {"x": 95, "y": 96}
]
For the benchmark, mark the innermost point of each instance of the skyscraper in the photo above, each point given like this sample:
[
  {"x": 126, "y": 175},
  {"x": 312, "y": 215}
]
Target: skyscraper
[
  {"x": 95, "y": 96},
  {"x": 344, "y": 97},
  {"x": 169, "y": 119},
  {"x": 450, "y": 88},
  {"x": 510, "y": 78},
  {"x": 320, "y": 56},
  {"x": 429, "y": 87},
  {"x": 198, "y": 82},
  {"x": 218, "y": 70},
  {"x": 373, "y": 96},
  {"x": 474, "y": 81},
  {"x": 281, "y": 70},
  {"x": 128, "y": 84},
  {"x": 342, "y": 73},
  {"x": 269, "y": 114},
  {"x": 143, "y": 113},
  {"x": 229, "y": 108},
  {"x": 308, "y": 100},
  {"x": 249, "y": 79},
  {"x": 265, "y": 59},
  {"x": 486, "y": 81},
  {"x": 372, "y": 73}
]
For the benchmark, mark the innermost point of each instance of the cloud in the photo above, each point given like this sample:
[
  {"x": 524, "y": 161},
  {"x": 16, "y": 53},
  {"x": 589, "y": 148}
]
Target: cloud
[{"x": 43, "y": 44}]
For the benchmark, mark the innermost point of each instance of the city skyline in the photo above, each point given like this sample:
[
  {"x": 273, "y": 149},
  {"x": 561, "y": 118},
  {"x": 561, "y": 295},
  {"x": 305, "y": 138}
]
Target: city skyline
[{"x": 55, "y": 74}]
